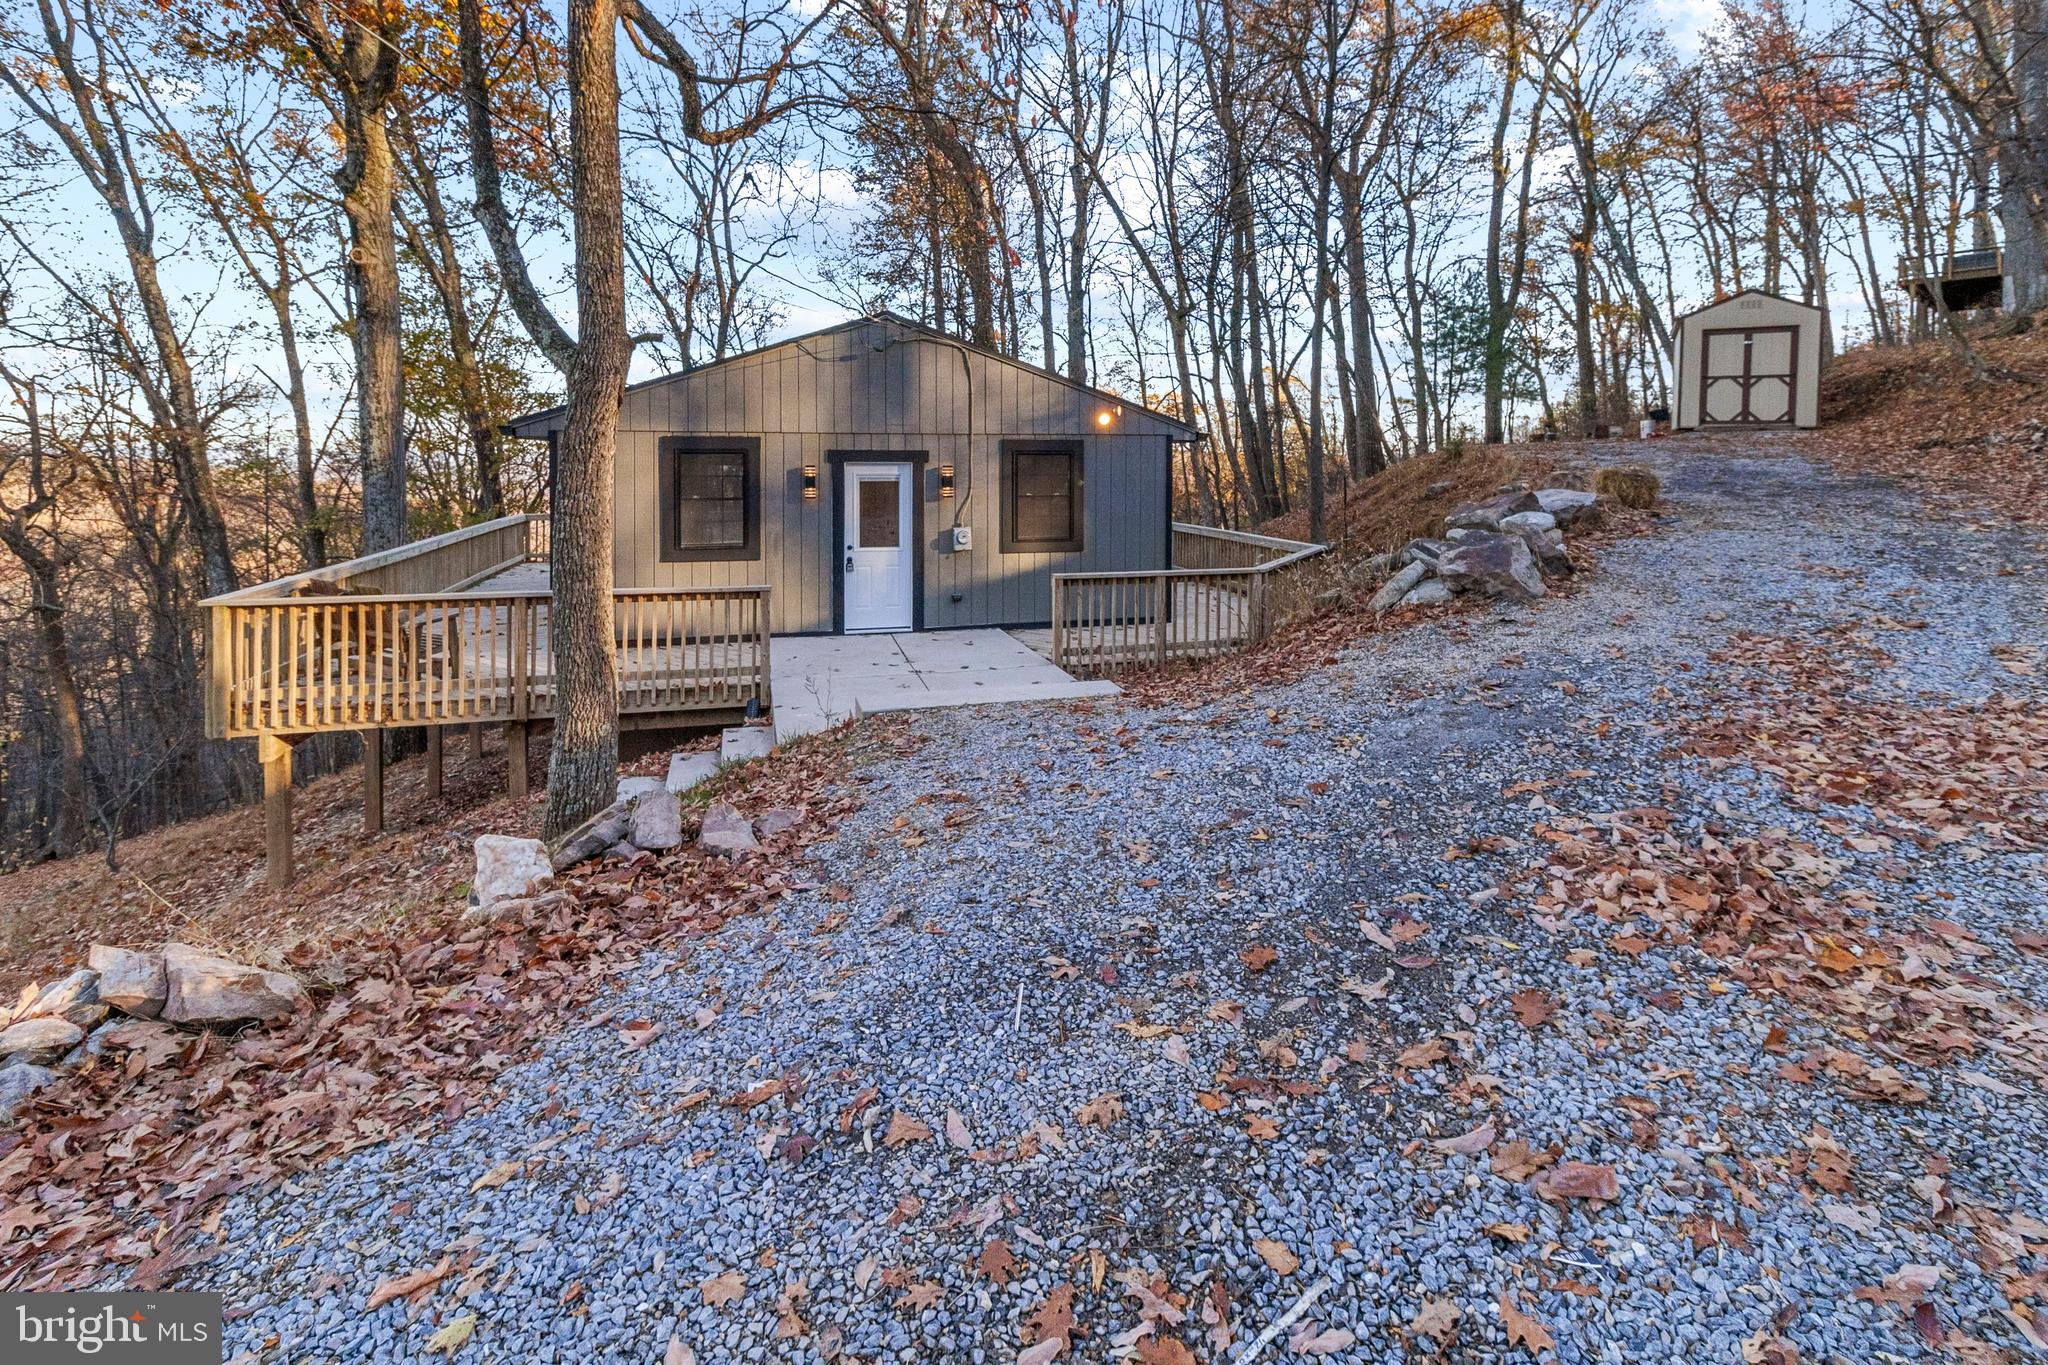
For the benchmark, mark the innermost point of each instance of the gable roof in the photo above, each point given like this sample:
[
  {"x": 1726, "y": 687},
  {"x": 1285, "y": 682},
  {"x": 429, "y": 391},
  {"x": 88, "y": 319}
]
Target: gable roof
[
  {"x": 1743, "y": 294},
  {"x": 538, "y": 424}
]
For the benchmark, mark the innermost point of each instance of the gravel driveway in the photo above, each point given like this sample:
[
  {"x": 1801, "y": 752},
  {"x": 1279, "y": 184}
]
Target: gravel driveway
[{"x": 1176, "y": 1007}]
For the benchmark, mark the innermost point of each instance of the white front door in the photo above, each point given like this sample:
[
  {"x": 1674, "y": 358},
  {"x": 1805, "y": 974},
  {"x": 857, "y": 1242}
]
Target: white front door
[{"x": 878, "y": 567}]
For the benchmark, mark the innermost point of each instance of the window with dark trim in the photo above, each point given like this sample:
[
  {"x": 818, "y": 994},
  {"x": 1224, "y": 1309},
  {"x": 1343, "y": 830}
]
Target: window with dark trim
[
  {"x": 710, "y": 498},
  {"x": 1041, "y": 497}
]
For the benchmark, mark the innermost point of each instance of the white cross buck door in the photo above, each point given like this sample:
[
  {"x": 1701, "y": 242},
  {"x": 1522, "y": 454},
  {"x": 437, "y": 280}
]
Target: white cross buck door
[{"x": 1749, "y": 375}]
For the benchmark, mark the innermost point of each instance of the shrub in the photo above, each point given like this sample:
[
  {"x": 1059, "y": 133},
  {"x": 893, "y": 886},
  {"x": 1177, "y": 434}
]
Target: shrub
[{"x": 1630, "y": 485}]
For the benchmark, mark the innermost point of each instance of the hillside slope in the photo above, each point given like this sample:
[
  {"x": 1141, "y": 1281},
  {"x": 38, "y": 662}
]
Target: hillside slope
[{"x": 1914, "y": 414}]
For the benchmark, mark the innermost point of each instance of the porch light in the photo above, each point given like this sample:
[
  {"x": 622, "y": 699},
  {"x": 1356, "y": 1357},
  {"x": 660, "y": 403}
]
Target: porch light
[
  {"x": 810, "y": 482},
  {"x": 945, "y": 481},
  {"x": 1106, "y": 417}
]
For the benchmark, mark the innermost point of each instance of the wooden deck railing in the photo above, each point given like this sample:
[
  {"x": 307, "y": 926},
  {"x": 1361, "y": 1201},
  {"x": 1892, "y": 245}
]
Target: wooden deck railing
[
  {"x": 1228, "y": 591},
  {"x": 400, "y": 638}
]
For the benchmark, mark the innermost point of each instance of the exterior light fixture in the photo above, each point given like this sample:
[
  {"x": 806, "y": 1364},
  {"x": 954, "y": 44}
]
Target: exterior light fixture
[
  {"x": 1105, "y": 418},
  {"x": 810, "y": 482},
  {"x": 945, "y": 481}
]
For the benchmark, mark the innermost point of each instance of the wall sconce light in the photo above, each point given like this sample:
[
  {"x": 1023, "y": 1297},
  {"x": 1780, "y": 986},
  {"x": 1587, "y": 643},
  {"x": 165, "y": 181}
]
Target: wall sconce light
[
  {"x": 1106, "y": 418},
  {"x": 810, "y": 482},
  {"x": 945, "y": 481}
]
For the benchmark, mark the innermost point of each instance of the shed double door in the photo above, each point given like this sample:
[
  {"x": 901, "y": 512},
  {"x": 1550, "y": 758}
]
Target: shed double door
[{"x": 1749, "y": 376}]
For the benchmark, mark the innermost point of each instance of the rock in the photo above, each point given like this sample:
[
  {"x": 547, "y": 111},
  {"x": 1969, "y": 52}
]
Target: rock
[
  {"x": 81, "y": 988},
  {"x": 1539, "y": 532},
  {"x": 591, "y": 838},
  {"x": 776, "y": 821},
  {"x": 508, "y": 868},
  {"x": 1523, "y": 522},
  {"x": 1549, "y": 549},
  {"x": 654, "y": 814},
  {"x": 726, "y": 831},
  {"x": 687, "y": 770},
  {"x": 18, "y": 1082},
  {"x": 1398, "y": 587},
  {"x": 1427, "y": 550},
  {"x": 1568, "y": 505},
  {"x": 132, "y": 982},
  {"x": 1433, "y": 593},
  {"x": 87, "y": 1017},
  {"x": 519, "y": 907},
  {"x": 1486, "y": 515},
  {"x": 1501, "y": 565},
  {"x": 1438, "y": 489},
  {"x": 43, "y": 1038},
  {"x": 203, "y": 989}
]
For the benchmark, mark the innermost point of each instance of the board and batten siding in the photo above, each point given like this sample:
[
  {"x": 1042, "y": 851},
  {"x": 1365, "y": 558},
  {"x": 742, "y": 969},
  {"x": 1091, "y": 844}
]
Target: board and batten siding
[{"x": 837, "y": 392}]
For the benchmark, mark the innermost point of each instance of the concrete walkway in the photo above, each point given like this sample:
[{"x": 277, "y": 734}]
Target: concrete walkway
[{"x": 820, "y": 680}]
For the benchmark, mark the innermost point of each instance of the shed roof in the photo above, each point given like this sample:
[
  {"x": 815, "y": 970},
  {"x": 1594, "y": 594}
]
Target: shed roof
[
  {"x": 1747, "y": 293},
  {"x": 537, "y": 424}
]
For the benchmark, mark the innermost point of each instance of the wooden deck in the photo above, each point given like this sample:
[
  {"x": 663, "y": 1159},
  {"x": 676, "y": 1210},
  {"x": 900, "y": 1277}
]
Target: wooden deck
[
  {"x": 454, "y": 630},
  {"x": 1956, "y": 281},
  {"x": 339, "y": 650}
]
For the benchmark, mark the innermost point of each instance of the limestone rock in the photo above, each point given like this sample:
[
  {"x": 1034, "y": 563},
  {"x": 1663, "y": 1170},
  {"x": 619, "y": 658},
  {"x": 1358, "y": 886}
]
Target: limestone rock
[
  {"x": 42, "y": 1038},
  {"x": 726, "y": 831},
  {"x": 132, "y": 982},
  {"x": 1568, "y": 505},
  {"x": 1427, "y": 550},
  {"x": 591, "y": 838},
  {"x": 75, "y": 991},
  {"x": 509, "y": 868},
  {"x": 1486, "y": 515},
  {"x": 654, "y": 814},
  {"x": 1432, "y": 593},
  {"x": 203, "y": 989},
  {"x": 776, "y": 821},
  {"x": 18, "y": 1082},
  {"x": 1501, "y": 565},
  {"x": 1521, "y": 523},
  {"x": 687, "y": 770},
  {"x": 1398, "y": 587}
]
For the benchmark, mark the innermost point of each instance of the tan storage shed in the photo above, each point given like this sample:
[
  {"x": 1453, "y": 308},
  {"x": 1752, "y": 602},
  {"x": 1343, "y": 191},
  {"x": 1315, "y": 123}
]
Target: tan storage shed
[{"x": 1749, "y": 360}]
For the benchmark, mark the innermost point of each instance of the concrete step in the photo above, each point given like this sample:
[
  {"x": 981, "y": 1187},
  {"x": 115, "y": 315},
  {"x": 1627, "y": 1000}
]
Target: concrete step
[
  {"x": 687, "y": 770},
  {"x": 742, "y": 742}
]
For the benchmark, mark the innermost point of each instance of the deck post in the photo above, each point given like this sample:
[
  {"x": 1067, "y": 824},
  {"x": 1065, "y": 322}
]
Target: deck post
[
  {"x": 274, "y": 752},
  {"x": 476, "y": 743},
  {"x": 373, "y": 781},
  {"x": 515, "y": 758},
  {"x": 764, "y": 672},
  {"x": 1159, "y": 590},
  {"x": 434, "y": 761},
  {"x": 1058, "y": 611}
]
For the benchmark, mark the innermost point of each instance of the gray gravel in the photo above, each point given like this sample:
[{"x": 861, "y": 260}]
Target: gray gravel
[{"x": 1148, "y": 849}]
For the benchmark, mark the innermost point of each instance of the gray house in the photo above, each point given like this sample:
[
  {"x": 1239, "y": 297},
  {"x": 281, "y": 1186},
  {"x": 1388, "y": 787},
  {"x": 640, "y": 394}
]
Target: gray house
[{"x": 881, "y": 475}]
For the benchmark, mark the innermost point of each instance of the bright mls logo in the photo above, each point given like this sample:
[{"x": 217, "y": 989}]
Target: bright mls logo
[{"x": 121, "y": 1329}]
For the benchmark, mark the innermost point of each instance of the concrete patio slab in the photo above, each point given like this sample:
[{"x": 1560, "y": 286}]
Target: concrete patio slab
[{"x": 820, "y": 680}]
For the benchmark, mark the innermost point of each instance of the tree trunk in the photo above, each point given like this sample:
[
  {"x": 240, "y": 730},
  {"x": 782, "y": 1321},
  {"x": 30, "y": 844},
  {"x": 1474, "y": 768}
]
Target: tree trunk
[
  {"x": 64, "y": 827},
  {"x": 369, "y": 182},
  {"x": 583, "y": 764}
]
